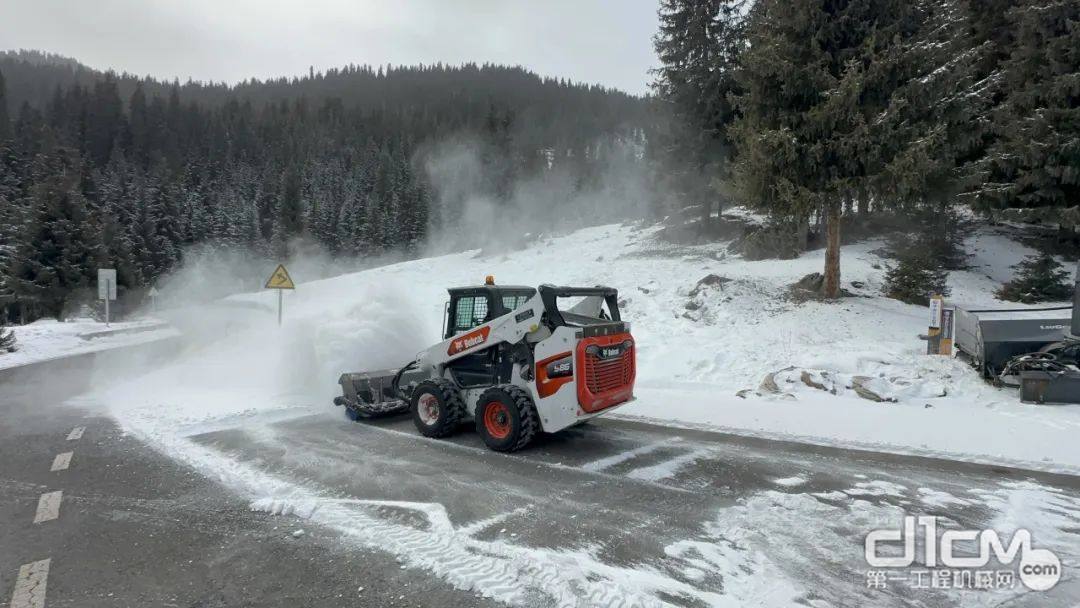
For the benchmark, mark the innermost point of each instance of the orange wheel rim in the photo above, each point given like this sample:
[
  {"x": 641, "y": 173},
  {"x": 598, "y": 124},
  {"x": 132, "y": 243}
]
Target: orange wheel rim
[{"x": 497, "y": 420}]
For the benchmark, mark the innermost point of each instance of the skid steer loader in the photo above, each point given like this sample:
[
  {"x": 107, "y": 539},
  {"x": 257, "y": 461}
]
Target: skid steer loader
[{"x": 511, "y": 360}]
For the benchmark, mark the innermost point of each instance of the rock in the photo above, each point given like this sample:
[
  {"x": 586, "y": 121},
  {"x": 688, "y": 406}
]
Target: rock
[
  {"x": 298, "y": 534},
  {"x": 858, "y": 284},
  {"x": 769, "y": 385},
  {"x": 743, "y": 393},
  {"x": 808, "y": 380},
  {"x": 812, "y": 282},
  {"x": 709, "y": 280},
  {"x": 858, "y": 383},
  {"x": 692, "y": 305}
]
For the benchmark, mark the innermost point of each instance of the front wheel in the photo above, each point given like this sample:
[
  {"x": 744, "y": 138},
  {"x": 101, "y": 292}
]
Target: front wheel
[
  {"x": 436, "y": 408},
  {"x": 506, "y": 418}
]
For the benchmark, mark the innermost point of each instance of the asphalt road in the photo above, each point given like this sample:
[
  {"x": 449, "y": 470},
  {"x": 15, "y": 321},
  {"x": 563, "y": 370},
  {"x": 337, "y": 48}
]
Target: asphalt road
[{"x": 611, "y": 513}]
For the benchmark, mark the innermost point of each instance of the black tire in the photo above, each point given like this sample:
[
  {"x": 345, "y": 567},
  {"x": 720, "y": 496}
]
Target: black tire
[
  {"x": 506, "y": 418},
  {"x": 446, "y": 416}
]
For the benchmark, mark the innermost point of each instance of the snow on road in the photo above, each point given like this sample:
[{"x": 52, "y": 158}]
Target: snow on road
[{"x": 49, "y": 339}]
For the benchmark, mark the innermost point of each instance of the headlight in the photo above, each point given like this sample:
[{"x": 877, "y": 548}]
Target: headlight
[{"x": 592, "y": 349}]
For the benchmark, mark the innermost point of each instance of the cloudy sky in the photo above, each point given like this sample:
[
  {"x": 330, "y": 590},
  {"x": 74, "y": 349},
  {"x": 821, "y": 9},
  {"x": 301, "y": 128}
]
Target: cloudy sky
[{"x": 601, "y": 41}]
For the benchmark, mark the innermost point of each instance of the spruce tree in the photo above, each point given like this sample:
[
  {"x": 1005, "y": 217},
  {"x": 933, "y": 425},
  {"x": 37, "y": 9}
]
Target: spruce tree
[
  {"x": 1039, "y": 278},
  {"x": 5, "y": 117},
  {"x": 8, "y": 343},
  {"x": 699, "y": 43},
  {"x": 1036, "y": 158},
  {"x": 62, "y": 247}
]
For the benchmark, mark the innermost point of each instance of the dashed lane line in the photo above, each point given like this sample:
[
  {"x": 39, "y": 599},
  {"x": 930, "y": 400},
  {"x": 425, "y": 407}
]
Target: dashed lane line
[
  {"x": 30, "y": 586},
  {"x": 621, "y": 457},
  {"x": 62, "y": 461},
  {"x": 76, "y": 433},
  {"x": 48, "y": 507}
]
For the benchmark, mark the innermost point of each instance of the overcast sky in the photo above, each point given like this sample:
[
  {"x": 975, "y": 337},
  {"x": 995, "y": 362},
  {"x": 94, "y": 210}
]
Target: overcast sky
[{"x": 595, "y": 41}]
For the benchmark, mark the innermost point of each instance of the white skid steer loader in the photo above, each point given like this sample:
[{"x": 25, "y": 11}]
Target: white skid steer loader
[{"x": 512, "y": 361}]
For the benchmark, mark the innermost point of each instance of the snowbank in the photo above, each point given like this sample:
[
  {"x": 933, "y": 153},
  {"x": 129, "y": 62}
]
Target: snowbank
[
  {"x": 699, "y": 348},
  {"x": 50, "y": 339}
]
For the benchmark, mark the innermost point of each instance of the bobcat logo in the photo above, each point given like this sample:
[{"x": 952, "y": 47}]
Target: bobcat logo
[{"x": 469, "y": 340}]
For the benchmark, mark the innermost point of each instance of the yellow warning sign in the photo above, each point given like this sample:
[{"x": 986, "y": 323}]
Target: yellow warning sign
[{"x": 280, "y": 279}]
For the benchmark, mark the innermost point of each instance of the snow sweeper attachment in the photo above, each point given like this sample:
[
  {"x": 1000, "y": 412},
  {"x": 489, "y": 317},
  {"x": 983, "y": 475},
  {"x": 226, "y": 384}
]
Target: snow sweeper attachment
[
  {"x": 370, "y": 394},
  {"x": 514, "y": 360}
]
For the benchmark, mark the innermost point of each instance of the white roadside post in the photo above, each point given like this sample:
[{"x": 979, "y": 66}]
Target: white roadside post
[
  {"x": 106, "y": 285},
  {"x": 280, "y": 280},
  {"x": 153, "y": 293}
]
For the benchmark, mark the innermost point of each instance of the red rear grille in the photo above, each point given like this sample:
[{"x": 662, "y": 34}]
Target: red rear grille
[
  {"x": 602, "y": 375},
  {"x": 605, "y": 382}
]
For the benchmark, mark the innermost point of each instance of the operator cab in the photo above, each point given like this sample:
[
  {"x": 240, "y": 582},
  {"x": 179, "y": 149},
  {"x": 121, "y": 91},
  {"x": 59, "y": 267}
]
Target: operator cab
[{"x": 471, "y": 307}]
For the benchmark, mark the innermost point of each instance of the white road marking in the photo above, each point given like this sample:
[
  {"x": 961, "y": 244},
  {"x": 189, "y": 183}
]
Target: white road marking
[
  {"x": 76, "y": 433},
  {"x": 668, "y": 468},
  {"x": 48, "y": 507},
  {"x": 610, "y": 461},
  {"x": 61, "y": 462},
  {"x": 30, "y": 586},
  {"x": 413, "y": 437}
]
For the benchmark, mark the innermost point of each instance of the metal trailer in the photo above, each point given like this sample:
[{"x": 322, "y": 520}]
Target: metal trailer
[{"x": 989, "y": 338}]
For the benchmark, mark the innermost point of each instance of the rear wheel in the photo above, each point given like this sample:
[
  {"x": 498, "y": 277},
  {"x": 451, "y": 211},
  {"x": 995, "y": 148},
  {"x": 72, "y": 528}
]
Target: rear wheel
[
  {"x": 506, "y": 418},
  {"x": 436, "y": 408}
]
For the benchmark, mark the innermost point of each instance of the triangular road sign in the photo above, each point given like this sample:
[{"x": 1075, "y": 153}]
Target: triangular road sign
[{"x": 280, "y": 279}]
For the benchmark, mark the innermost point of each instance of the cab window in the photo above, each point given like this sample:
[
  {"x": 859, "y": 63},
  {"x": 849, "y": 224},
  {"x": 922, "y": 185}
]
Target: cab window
[
  {"x": 468, "y": 312},
  {"x": 510, "y": 302}
]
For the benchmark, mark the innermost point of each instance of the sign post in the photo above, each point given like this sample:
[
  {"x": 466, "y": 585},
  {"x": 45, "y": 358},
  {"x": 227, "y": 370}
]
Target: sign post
[
  {"x": 106, "y": 285},
  {"x": 280, "y": 280},
  {"x": 153, "y": 293},
  {"x": 939, "y": 336}
]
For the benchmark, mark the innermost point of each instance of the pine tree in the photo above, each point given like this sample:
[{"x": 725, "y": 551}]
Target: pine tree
[
  {"x": 816, "y": 79},
  {"x": 916, "y": 278},
  {"x": 62, "y": 248},
  {"x": 1039, "y": 278},
  {"x": 699, "y": 44},
  {"x": 8, "y": 343},
  {"x": 5, "y": 118},
  {"x": 1036, "y": 159},
  {"x": 938, "y": 117}
]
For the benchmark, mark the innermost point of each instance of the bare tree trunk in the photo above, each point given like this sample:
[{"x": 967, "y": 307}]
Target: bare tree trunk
[{"x": 831, "y": 288}]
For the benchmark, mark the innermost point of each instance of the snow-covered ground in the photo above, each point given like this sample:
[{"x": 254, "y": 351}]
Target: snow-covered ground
[
  {"x": 50, "y": 339},
  {"x": 702, "y": 357}
]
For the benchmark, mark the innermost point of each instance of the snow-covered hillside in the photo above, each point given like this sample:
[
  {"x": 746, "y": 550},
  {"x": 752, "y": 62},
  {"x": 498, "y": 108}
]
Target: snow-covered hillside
[{"x": 699, "y": 350}]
